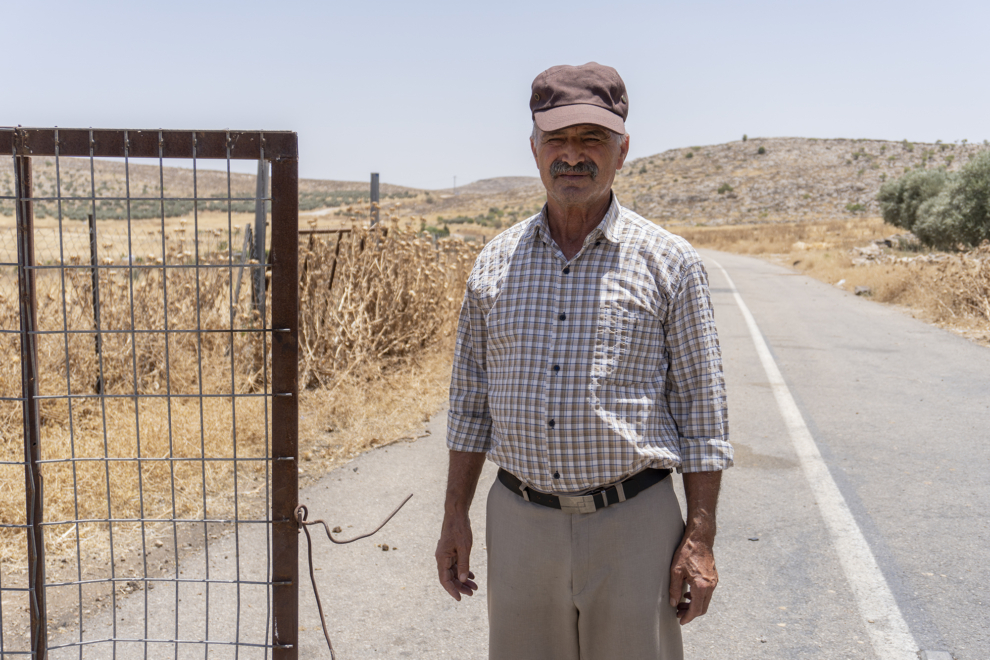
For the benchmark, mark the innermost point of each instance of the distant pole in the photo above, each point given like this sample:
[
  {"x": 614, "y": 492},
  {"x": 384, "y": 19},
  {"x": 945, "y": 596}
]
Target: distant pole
[
  {"x": 260, "y": 218},
  {"x": 374, "y": 199}
]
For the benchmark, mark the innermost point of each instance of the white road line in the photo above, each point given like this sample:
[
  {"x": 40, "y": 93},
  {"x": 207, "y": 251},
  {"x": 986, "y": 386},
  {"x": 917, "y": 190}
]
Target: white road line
[{"x": 889, "y": 634}]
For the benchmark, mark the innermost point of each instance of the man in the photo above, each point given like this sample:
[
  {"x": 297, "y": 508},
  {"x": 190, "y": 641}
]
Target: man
[{"x": 587, "y": 367}]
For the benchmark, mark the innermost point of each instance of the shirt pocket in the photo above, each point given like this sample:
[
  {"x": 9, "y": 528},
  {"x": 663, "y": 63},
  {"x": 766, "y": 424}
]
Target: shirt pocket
[
  {"x": 629, "y": 343},
  {"x": 614, "y": 338}
]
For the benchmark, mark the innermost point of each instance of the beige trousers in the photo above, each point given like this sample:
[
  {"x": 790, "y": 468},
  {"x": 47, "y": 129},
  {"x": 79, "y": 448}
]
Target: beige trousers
[{"x": 582, "y": 586}]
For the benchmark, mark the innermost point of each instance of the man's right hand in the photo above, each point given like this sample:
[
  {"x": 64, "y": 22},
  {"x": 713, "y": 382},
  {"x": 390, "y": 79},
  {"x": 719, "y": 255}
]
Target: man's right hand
[
  {"x": 454, "y": 556},
  {"x": 454, "y": 547}
]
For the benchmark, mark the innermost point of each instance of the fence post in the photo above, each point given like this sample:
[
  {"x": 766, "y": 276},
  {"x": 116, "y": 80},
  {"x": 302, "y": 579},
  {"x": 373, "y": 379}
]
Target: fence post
[
  {"x": 95, "y": 275},
  {"x": 336, "y": 255},
  {"x": 32, "y": 415},
  {"x": 374, "y": 197},
  {"x": 260, "y": 217},
  {"x": 285, "y": 408}
]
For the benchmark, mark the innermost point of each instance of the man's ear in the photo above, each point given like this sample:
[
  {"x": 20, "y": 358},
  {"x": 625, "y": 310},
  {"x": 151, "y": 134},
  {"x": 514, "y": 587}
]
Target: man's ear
[{"x": 623, "y": 152}]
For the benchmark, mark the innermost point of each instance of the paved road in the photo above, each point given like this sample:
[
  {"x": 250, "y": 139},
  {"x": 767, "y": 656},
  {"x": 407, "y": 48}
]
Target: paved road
[{"x": 899, "y": 411}]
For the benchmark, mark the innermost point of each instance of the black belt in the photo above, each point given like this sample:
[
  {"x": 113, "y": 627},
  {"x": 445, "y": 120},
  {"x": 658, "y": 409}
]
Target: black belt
[{"x": 620, "y": 492}]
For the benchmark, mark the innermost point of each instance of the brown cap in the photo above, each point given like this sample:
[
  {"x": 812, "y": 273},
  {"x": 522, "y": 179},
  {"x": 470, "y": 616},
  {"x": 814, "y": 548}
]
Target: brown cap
[{"x": 589, "y": 94}]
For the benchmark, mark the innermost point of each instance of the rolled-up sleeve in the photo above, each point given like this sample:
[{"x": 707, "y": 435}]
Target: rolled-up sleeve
[
  {"x": 469, "y": 421},
  {"x": 695, "y": 385}
]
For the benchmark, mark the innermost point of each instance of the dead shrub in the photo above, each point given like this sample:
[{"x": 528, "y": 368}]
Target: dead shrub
[{"x": 393, "y": 294}]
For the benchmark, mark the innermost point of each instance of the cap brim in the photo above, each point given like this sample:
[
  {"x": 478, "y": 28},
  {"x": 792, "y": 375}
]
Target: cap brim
[{"x": 563, "y": 116}]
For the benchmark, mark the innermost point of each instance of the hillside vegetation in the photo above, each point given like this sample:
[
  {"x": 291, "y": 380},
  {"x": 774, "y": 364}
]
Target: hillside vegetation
[{"x": 775, "y": 179}]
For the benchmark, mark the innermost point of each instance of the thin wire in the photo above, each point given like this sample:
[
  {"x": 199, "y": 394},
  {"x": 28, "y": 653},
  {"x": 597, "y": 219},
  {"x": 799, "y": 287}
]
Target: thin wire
[
  {"x": 145, "y": 459},
  {"x": 135, "y": 266},
  {"x": 137, "y": 579},
  {"x": 103, "y": 405},
  {"x": 301, "y": 513},
  {"x": 68, "y": 391},
  {"x": 152, "y": 641},
  {"x": 202, "y": 415},
  {"x": 233, "y": 412},
  {"x": 131, "y": 331},
  {"x": 198, "y": 521},
  {"x": 168, "y": 386},
  {"x": 155, "y": 396},
  {"x": 137, "y": 406},
  {"x": 138, "y": 199}
]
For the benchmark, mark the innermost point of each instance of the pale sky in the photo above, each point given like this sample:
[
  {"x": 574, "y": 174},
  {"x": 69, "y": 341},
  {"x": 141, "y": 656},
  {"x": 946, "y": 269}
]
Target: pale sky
[{"x": 425, "y": 91}]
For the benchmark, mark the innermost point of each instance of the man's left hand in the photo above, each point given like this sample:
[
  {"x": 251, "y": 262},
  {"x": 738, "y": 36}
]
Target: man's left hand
[{"x": 693, "y": 567}]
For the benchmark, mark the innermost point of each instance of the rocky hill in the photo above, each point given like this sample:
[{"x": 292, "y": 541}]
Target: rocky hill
[{"x": 774, "y": 179}]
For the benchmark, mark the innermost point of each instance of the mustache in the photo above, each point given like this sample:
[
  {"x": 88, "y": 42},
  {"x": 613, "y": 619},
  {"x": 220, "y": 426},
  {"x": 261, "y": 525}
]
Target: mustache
[{"x": 559, "y": 167}]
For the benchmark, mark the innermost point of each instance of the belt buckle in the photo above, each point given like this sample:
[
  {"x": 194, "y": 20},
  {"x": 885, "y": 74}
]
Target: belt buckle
[{"x": 579, "y": 504}]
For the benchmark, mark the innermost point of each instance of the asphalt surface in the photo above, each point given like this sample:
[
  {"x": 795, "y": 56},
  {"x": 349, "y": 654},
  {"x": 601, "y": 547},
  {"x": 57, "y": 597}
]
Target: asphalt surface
[{"x": 900, "y": 412}]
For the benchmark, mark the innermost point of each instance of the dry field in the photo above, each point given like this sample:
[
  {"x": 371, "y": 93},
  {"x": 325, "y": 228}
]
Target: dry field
[
  {"x": 364, "y": 347},
  {"x": 951, "y": 290}
]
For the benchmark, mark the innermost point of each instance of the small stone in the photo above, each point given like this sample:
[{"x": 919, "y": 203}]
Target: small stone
[
  {"x": 158, "y": 544},
  {"x": 863, "y": 291},
  {"x": 337, "y": 530},
  {"x": 754, "y": 538},
  {"x": 384, "y": 547}
]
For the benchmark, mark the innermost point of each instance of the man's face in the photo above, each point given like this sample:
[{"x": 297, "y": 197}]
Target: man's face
[{"x": 578, "y": 163}]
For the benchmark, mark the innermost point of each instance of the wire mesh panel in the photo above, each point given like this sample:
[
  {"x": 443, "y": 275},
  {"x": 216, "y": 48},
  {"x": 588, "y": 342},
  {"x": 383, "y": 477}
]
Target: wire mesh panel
[{"x": 155, "y": 517}]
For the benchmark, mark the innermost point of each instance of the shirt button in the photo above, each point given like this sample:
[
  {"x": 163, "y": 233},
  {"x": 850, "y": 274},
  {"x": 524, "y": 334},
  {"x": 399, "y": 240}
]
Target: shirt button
[
  {"x": 567, "y": 270},
  {"x": 552, "y": 423},
  {"x": 562, "y": 317},
  {"x": 556, "y": 367},
  {"x": 556, "y": 475}
]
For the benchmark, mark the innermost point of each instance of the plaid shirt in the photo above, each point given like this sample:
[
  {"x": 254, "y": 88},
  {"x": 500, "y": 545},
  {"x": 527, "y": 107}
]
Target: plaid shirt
[{"x": 575, "y": 374}]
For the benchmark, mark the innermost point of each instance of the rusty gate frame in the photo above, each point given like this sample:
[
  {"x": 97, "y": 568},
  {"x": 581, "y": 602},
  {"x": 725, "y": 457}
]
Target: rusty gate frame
[{"x": 280, "y": 148}]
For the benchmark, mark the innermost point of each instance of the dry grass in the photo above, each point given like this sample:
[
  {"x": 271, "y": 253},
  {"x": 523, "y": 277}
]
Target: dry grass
[
  {"x": 951, "y": 290},
  {"x": 363, "y": 350},
  {"x": 393, "y": 294},
  {"x": 149, "y": 364},
  {"x": 780, "y": 238}
]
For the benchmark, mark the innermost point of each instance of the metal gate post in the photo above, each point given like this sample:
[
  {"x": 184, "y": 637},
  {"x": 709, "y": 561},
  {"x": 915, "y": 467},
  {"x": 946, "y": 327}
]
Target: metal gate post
[
  {"x": 31, "y": 411},
  {"x": 285, "y": 408}
]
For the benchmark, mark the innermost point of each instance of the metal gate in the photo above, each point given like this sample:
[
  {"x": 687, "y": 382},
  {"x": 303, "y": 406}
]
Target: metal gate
[{"x": 148, "y": 409}]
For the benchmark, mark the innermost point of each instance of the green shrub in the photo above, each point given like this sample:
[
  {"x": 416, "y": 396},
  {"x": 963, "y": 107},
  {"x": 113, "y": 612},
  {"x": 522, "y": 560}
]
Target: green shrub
[
  {"x": 960, "y": 213},
  {"x": 745, "y": 137},
  {"x": 724, "y": 188},
  {"x": 761, "y": 150},
  {"x": 689, "y": 155},
  {"x": 855, "y": 208},
  {"x": 900, "y": 198}
]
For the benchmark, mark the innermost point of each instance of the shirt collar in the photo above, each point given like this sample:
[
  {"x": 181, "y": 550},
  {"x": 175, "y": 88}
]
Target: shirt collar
[{"x": 610, "y": 227}]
